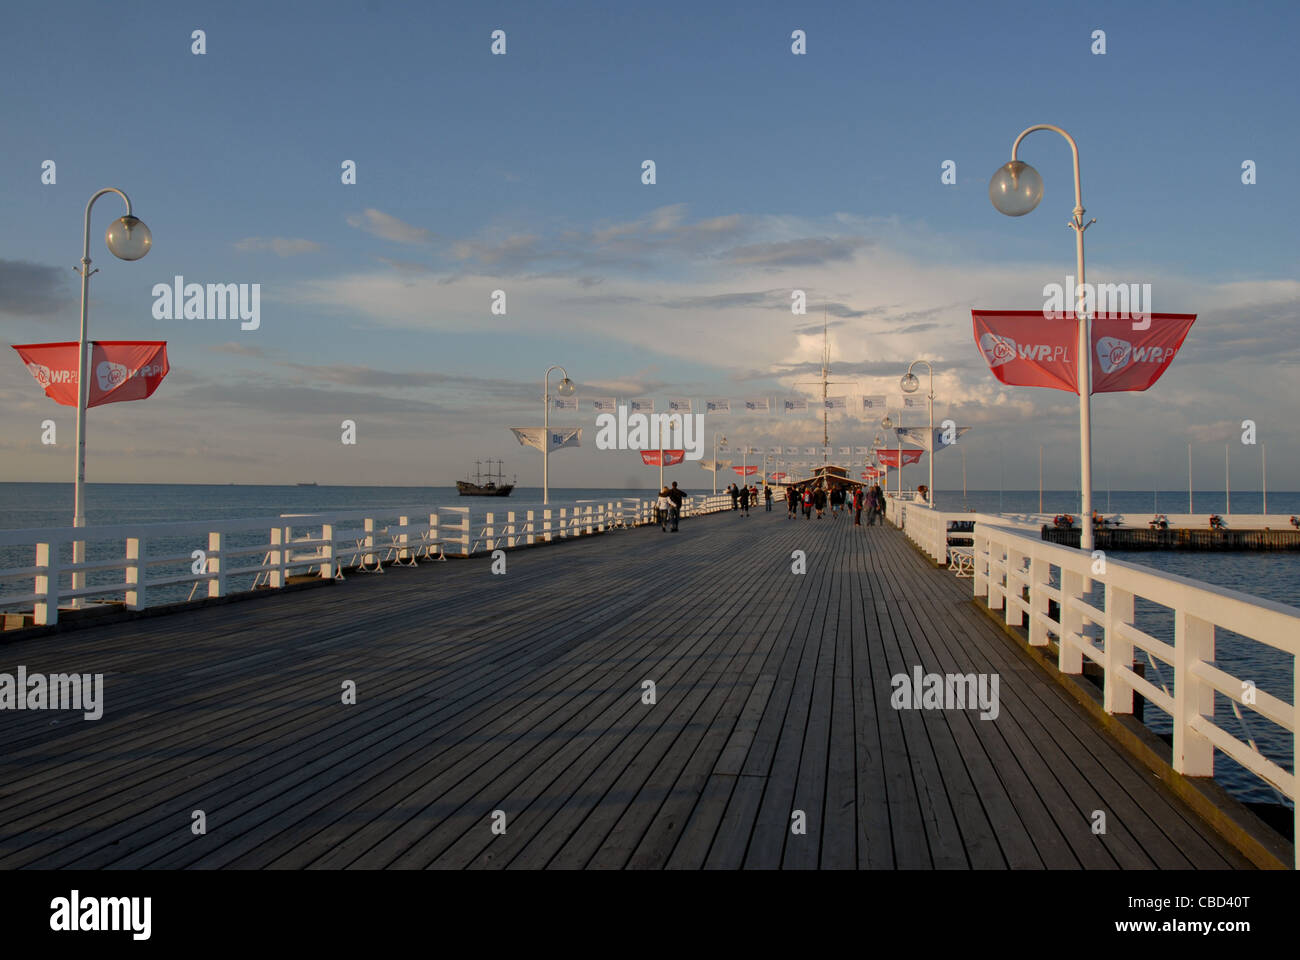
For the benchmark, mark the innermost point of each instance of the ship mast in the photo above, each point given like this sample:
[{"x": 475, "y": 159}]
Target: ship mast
[{"x": 826, "y": 381}]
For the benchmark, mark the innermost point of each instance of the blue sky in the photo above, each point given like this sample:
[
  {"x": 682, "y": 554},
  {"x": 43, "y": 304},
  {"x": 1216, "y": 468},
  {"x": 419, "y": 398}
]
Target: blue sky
[{"x": 522, "y": 172}]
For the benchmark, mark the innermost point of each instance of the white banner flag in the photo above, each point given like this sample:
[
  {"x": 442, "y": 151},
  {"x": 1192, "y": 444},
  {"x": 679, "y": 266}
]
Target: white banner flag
[
  {"x": 864, "y": 451},
  {"x": 757, "y": 403},
  {"x": 873, "y": 404},
  {"x": 774, "y": 451},
  {"x": 836, "y": 403},
  {"x": 566, "y": 403},
  {"x": 795, "y": 405},
  {"x": 753, "y": 450},
  {"x": 605, "y": 405},
  {"x": 922, "y": 437},
  {"x": 846, "y": 451},
  {"x": 717, "y": 405},
  {"x": 641, "y": 405},
  {"x": 560, "y": 437},
  {"x": 826, "y": 451},
  {"x": 810, "y": 451},
  {"x": 679, "y": 405},
  {"x": 912, "y": 403},
  {"x": 715, "y": 465},
  {"x": 792, "y": 451}
]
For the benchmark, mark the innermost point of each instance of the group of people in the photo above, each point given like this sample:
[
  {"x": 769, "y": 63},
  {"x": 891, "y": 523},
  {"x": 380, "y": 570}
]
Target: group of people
[
  {"x": 810, "y": 497},
  {"x": 668, "y": 508},
  {"x": 742, "y": 497}
]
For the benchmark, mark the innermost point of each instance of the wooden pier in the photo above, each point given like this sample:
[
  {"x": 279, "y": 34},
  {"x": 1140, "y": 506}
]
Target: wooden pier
[{"x": 523, "y": 693}]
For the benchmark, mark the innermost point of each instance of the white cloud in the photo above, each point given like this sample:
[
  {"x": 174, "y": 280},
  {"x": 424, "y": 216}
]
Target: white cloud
[{"x": 386, "y": 226}]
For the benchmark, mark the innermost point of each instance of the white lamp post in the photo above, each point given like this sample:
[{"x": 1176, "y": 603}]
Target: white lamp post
[
  {"x": 715, "y": 459},
  {"x": 888, "y": 424},
  {"x": 910, "y": 385},
  {"x": 1016, "y": 188},
  {"x": 565, "y": 388},
  {"x": 127, "y": 238}
]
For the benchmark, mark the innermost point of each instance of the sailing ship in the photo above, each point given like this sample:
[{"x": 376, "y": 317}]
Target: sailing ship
[{"x": 495, "y": 486}]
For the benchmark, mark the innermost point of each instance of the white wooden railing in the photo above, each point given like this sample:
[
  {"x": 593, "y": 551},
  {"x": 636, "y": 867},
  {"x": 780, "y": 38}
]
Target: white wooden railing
[
  {"x": 137, "y": 562},
  {"x": 1009, "y": 562}
]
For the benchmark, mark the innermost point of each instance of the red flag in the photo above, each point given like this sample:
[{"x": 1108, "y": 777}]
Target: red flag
[
  {"x": 671, "y": 457},
  {"x": 120, "y": 369},
  {"x": 890, "y": 457},
  {"x": 746, "y": 471},
  {"x": 1024, "y": 348}
]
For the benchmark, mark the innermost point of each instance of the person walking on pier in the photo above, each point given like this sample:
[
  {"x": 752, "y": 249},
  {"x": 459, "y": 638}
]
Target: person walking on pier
[
  {"x": 857, "y": 506},
  {"x": 791, "y": 501},
  {"x": 819, "y": 500},
  {"x": 661, "y": 509},
  {"x": 767, "y": 497},
  {"x": 837, "y": 502},
  {"x": 807, "y": 498},
  {"x": 877, "y": 511},
  {"x": 675, "y": 496},
  {"x": 735, "y": 496},
  {"x": 744, "y": 501}
]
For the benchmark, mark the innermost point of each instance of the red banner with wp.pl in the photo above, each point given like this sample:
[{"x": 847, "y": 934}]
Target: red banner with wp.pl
[
  {"x": 671, "y": 457},
  {"x": 120, "y": 369},
  {"x": 1024, "y": 348},
  {"x": 890, "y": 457}
]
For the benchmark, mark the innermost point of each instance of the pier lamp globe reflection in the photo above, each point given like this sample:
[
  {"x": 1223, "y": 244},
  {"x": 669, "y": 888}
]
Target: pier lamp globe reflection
[
  {"x": 886, "y": 422},
  {"x": 1015, "y": 188},
  {"x": 128, "y": 238},
  {"x": 565, "y": 388},
  {"x": 909, "y": 383}
]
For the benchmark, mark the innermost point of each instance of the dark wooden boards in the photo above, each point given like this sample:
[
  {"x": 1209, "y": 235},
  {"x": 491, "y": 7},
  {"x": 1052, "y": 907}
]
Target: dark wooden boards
[{"x": 523, "y": 694}]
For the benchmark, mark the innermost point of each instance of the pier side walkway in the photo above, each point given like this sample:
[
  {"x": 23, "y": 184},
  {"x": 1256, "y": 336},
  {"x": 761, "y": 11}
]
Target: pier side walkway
[{"x": 502, "y": 721}]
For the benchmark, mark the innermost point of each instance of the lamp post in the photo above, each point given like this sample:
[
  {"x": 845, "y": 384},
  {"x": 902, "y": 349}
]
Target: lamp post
[
  {"x": 564, "y": 388},
  {"x": 1015, "y": 189},
  {"x": 715, "y": 459},
  {"x": 910, "y": 384},
  {"x": 888, "y": 424},
  {"x": 127, "y": 238}
]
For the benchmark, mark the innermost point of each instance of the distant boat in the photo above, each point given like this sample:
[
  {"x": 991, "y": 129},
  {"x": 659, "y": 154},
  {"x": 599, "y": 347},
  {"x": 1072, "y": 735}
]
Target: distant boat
[
  {"x": 494, "y": 487},
  {"x": 311, "y": 483}
]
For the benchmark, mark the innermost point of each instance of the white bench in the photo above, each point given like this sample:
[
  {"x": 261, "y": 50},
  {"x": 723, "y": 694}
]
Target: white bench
[{"x": 961, "y": 561}]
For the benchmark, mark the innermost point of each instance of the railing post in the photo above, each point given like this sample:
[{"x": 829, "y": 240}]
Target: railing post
[
  {"x": 1069, "y": 656},
  {"x": 45, "y": 612},
  {"x": 328, "y": 568},
  {"x": 275, "y": 577},
  {"x": 489, "y": 533},
  {"x": 1117, "y": 694},
  {"x": 564, "y": 524},
  {"x": 464, "y": 532},
  {"x": 512, "y": 539},
  {"x": 403, "y": 554},
  {"x": 531, "y": 527},
  {"x": 546, "y": 525},
  {"x": 587, "y": 529},
  {"x": 1193, "y": 641},
  {"x": 216, "y": 565},
  {"x": 1039, "y": 580},
  {"x": 1013, "y": 614},
  {"x": 368, "y": 542},
  {"x": 136, "y": 573}
]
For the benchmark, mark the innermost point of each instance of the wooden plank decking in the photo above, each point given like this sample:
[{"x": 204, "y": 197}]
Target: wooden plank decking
[{"x": 523, "y": 693}]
